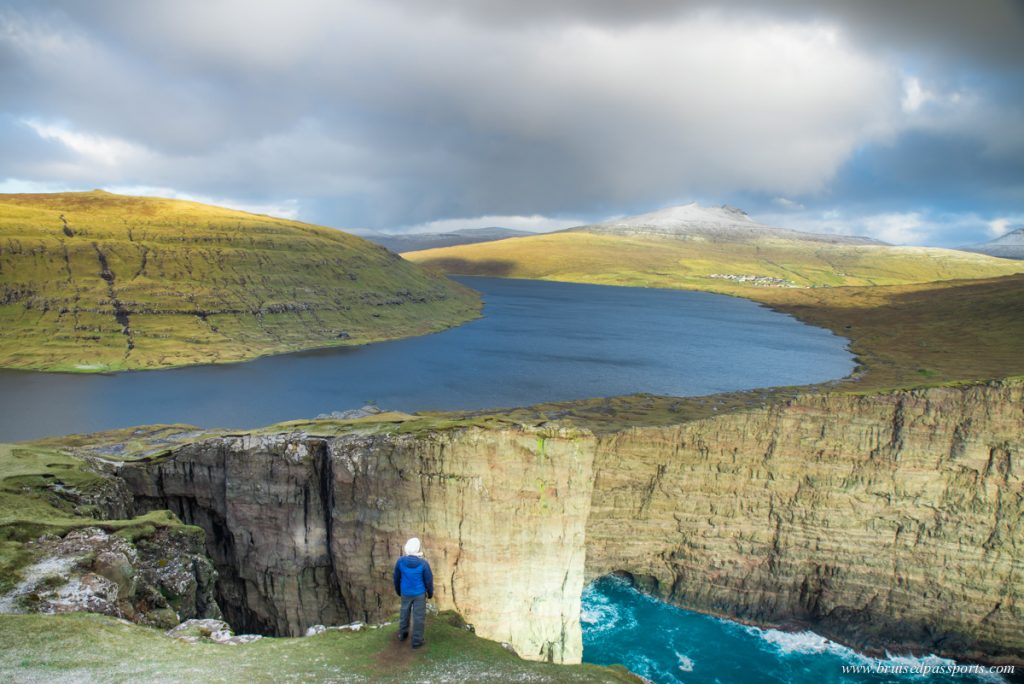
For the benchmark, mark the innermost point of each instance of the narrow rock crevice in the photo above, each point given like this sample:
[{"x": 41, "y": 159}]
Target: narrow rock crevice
[
  {"x": 120, "y": 311},
  {"x": 324, "y": 470},
  {"x": 66, "y": 229}
]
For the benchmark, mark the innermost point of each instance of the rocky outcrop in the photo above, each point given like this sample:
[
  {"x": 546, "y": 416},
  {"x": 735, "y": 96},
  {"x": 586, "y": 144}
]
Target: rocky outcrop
[
  {"x": 884, "y": 521},
  {"x": 215, "y": 631},
  {"x": 159, "y": 579}
]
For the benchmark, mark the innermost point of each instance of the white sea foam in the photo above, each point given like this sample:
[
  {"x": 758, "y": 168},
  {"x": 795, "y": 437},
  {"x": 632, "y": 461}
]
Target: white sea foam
[
  {"x": 648, "y": 668},
  {"x": 600, "y": 619},
  {"x": 810, "y": 643},
  {"x": 910, "y": 661},
  {"x": 607, "y": 617},
  {"x": 600, "y": 614},
  {"x": 788, "y": 643}
]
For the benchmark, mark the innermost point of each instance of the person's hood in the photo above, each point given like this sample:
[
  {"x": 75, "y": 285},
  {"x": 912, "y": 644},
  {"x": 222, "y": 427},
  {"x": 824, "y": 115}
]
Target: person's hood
[
  {"x": 411, "y": 561},
  {"x": 413, "y": 547}
]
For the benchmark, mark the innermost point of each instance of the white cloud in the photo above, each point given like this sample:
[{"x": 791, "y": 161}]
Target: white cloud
[
  {"x": 288, "y": 209},
  {"x": 897, "y": 228},
  {"x": 1001, "y": 226},
  {"x": 20, "y": 185},
  {"x": 787, "y": 203},
  {"x": 93, "y": 149},
  {"x": 919, "y": 227},
  {"x": 400, "y": 113},
  {"x": 419, "y": 114},
  {"x": 914, "y": 95}
]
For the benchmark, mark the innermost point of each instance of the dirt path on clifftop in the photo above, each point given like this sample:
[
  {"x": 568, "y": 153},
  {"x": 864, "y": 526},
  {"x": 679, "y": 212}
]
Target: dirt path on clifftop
[{"x": 397, "y": 657}]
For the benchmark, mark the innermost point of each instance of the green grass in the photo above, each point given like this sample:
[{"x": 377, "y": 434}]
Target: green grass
[
  {"x": 127, "y": 443},
  {"x": 920, "y": 335},
  {"x": 31, "y": 505},
  {"x": 85, "y": 647},
  {"x": 137, "y": 283},
  {"x": 689, "y": 264}
]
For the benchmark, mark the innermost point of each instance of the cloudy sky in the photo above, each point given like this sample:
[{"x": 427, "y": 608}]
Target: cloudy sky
[{"x": 901, "y": 120}]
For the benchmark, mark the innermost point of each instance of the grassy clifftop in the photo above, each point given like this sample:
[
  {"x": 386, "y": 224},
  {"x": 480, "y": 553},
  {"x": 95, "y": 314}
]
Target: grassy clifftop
[
  {"x": 48, "y": 491},
  {"x": 86, "y": 647},
  {"x": 94, "y": 281}
]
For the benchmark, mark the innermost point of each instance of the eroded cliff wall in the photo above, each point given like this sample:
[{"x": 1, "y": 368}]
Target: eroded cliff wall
[
  {"x": 888, "y": 520},
  {"x": 885, "y": 521},
  {"x": 306, "y": 530}
]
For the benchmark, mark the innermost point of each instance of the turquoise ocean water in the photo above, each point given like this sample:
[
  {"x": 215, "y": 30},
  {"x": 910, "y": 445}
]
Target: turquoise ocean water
[{"x": 666, "y": 644}]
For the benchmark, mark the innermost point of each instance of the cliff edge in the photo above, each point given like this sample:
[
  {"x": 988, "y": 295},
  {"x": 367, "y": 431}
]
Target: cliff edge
[{"x": 888, "y": 521}]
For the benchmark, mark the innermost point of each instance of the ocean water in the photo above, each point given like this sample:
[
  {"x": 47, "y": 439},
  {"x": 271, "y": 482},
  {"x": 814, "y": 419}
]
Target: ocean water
[
  {"x": 666, "y": 644},
  {"x": 536, "y": 342}
]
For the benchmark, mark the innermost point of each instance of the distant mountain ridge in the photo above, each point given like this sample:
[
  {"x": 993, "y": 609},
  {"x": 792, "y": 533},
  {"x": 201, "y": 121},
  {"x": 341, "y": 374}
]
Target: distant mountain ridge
[
  {"x": 1009, "y": 246},
  {"x": 716, "y": 249},
  {"x": 717, "y": 224},
  {"x": 398, "y": 242}
]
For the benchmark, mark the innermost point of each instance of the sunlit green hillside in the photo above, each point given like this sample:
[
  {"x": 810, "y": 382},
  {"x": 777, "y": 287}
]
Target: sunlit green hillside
[
  {"x": 737, "y": 267},
  {"x": 93, "y": 281}
]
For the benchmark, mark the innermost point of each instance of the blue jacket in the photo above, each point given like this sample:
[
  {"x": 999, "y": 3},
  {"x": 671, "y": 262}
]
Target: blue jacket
[{"x": 413, "y": 577}]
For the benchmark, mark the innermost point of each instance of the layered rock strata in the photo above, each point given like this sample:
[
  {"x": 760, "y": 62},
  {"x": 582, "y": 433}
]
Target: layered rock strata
[
  {"x": 306, "y": 530},
  {"x": 885, "y": 521}
]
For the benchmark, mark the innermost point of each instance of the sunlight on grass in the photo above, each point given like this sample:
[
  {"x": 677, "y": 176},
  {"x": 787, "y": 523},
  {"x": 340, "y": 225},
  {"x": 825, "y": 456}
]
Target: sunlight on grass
[{"x": 97, "y": 282}]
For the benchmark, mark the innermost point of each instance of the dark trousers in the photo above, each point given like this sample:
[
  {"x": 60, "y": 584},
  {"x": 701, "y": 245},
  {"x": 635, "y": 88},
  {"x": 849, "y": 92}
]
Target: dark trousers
[{"x": 417, "y": 607}]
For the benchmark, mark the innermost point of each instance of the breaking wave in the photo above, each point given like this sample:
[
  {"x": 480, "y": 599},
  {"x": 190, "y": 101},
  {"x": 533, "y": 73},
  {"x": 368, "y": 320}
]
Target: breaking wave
[{"x": 666, "y": 645}]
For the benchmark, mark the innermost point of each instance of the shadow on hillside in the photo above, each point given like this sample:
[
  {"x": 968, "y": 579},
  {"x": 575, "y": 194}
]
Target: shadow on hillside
[{"x": 456, "y": 266}]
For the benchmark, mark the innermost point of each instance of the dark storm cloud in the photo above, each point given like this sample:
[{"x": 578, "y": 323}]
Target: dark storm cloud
[
  {"x": 989, "y": 31},
  {"x": 397, "y": 112}
]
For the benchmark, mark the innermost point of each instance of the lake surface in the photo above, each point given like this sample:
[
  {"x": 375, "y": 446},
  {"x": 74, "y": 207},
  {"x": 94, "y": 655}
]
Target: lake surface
[
  {"x": 667, "y": 645},
  {"x": 537, "y": 342}
]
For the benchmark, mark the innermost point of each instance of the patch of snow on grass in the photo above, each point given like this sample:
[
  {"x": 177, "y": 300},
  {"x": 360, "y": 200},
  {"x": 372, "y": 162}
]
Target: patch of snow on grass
[{"x": 33, "y": 577}]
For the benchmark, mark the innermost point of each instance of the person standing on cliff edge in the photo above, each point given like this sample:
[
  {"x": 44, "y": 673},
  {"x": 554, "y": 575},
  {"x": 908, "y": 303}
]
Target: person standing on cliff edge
[{"x": 414, "y": 582}]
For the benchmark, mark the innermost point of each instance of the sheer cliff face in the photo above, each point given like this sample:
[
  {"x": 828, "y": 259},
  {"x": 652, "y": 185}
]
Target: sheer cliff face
[
  {"x": 884, "y": 521},
  {"x": 502, "y": 516},
  {"x": 307, "y": 530}
]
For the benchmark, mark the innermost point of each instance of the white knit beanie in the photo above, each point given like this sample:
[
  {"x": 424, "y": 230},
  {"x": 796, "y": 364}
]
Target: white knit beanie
[{"x": 412, "y": 547}]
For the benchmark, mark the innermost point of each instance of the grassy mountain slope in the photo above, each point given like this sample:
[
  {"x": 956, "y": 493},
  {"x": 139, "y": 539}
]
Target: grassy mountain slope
[
  {"x": 416, "y": 241},
  {"x": 714, "y": 266},
  {"x": 920, "y": 334},
  {"x": 94, "y": 281}
]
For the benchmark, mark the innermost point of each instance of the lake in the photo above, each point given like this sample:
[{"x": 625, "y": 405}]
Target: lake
[{"x": 537, "y": 341}]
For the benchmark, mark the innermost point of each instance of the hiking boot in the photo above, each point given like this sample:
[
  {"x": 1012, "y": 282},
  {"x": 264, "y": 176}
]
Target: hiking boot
[
  {"x": 403, "y": 637},
  {"x": 419, "y": 645}
]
